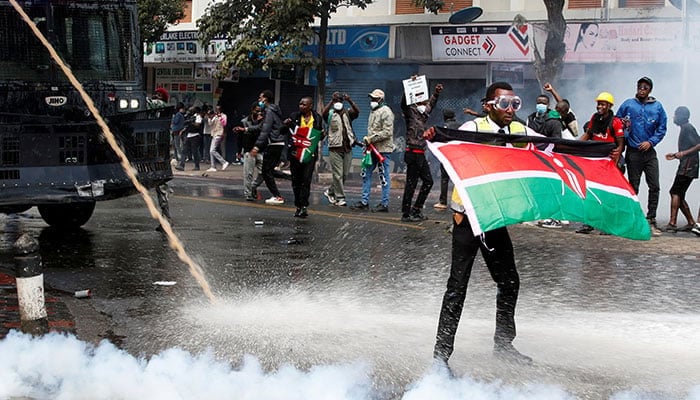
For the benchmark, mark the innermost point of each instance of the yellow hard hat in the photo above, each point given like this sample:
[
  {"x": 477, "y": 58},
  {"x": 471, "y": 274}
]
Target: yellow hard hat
[{"x": 605, "y": 96}]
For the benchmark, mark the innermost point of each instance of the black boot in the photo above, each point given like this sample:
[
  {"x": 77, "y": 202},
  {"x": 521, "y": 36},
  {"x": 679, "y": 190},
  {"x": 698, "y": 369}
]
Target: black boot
[{"x": 506, "y": 352}]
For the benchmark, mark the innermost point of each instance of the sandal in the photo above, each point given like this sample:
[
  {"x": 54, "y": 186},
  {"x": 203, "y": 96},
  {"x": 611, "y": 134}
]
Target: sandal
[{"x": 671, "y": 228}]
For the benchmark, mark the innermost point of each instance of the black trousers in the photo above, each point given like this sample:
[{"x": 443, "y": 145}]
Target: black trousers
[
  {"x": 192, "y": 146},
  {"x": 497, "y": 250},
  {"x": 417, "y": 167},
  {"x": 270, "y": 160},
  {"x": 444, "y": 184},
  {"x": 302, "y": 173},
  {"x": 644, "y": 162}
]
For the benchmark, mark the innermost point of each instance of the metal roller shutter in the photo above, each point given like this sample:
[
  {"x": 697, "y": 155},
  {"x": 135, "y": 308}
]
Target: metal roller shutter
[{"x": 358, "y": 91}]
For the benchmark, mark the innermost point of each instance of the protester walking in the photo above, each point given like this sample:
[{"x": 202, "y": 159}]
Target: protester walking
[{"x": 272, "y": 139}]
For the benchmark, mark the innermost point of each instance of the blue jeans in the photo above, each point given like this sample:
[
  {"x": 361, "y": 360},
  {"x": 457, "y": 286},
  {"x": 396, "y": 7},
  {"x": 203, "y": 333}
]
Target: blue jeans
[{"x": 367, "y": 180}]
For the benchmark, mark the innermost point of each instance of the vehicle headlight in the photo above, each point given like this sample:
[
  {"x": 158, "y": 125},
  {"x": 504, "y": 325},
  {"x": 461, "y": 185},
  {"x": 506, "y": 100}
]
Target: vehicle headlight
[
  {"x": 134, "y": 103},
  {"x": 123, "y": 104}
]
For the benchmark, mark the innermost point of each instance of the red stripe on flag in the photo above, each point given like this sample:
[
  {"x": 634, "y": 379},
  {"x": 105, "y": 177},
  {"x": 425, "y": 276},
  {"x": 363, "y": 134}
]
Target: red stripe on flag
[{"x": 471, "y": 160}]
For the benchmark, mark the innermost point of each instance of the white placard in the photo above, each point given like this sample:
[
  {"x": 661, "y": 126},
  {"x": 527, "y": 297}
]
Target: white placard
[{"x": 416, "y": 89}]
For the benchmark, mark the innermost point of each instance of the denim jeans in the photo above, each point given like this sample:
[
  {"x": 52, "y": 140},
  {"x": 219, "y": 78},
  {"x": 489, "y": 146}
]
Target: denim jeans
[
  {"x": 367, "y": 180},
  {"x": 177, "y": 146},
  {"x": 213, "y": 154},
  {"x": 206, "y": 143},
  {"x": 251, "y": 164}
]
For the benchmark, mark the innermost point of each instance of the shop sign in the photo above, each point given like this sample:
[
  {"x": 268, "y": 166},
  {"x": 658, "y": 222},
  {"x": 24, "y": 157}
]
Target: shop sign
[
  {"x": 354, "y": 42},
  {"x": 182, "y": 46},
  {"x": 621, "y": 42},
  {"x": 481, "y": 43}
]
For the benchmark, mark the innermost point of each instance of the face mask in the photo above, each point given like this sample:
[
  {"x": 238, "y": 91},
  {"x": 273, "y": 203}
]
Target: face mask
[
  {"x": 261, "y": 104},
  {"x": 541, "y": 108},
  {"x": 421, "y": 109},
  {"x": 373, "y": 104},
  {"x": 338, "y": 106}
]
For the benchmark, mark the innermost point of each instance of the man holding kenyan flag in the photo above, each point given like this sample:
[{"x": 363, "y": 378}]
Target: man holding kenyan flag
[
  {"x": 307, "y": 129},
  {"x": 495, "y": 245},
  {"x": 505, "y": 173}
]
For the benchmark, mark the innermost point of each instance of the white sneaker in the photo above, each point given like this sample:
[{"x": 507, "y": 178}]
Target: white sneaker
[
  {"x": 696, "y": 229},
  {"x": 440, "y": 206},
  {"x": 551, "y": 223},
  {"x": 331, "y": 199},
  {"x": 223, "y": 167},
  {"x": 212, "y": 169},
  {"x": 274, "y": 200},
  {"x": 341, "y": 203}
]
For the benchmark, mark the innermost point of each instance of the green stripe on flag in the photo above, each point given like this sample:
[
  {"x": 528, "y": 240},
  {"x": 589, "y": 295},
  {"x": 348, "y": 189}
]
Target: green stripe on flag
[{"x": 510, "y": 201}]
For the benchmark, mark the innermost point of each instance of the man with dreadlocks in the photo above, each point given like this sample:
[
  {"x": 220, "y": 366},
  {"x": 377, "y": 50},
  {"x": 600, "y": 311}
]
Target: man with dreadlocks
[{"x": 604, "y": 126}]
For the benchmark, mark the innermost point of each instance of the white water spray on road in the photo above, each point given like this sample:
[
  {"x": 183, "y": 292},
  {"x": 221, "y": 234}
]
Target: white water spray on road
[{"x": 62, "y": 367}]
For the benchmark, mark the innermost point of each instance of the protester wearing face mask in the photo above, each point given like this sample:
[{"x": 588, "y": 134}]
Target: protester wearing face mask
[
  {"x": 535, "y": 121},
  {"x": 417, "y": 166},
  {"x": 341, "y": 138},
  {"x": 380, "y": 134}
]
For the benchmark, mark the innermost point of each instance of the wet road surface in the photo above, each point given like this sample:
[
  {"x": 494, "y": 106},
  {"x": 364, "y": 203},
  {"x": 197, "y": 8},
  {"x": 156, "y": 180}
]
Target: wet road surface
[{"x": 599, "y": 314}]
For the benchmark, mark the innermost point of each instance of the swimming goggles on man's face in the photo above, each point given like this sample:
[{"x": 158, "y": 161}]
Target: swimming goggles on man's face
[{"x": 503, "y": 102}]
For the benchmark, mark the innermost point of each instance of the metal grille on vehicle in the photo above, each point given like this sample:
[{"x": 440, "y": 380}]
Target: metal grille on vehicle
[
  {"x": 71, "y": 150},
  {"x": 9, "y": 151}
]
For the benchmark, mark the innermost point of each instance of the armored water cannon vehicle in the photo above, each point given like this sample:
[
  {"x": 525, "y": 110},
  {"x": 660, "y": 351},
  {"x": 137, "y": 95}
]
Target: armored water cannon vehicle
[{"x": 53, "y": 155}]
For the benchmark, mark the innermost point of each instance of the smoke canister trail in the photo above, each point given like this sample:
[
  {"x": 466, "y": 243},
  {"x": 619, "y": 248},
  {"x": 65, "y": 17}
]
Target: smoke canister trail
[{"x": 174, "y": 241}]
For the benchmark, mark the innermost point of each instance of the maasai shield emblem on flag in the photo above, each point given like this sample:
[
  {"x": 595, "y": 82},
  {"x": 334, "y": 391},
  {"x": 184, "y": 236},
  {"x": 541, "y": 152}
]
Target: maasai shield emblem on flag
[
  {"x": 305, "y": 143},
  {"x": 500, "y": 186}
]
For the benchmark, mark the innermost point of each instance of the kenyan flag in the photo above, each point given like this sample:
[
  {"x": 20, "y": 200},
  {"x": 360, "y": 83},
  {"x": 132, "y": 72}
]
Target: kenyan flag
[
  {"x": 305, "y": 143},
  {"x": 549, "y": 178}
]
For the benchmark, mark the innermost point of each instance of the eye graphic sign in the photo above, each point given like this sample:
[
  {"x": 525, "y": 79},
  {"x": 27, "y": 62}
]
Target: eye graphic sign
[
  {"x": 354, "y": 42},
  {"x": 481, "y": 43}
]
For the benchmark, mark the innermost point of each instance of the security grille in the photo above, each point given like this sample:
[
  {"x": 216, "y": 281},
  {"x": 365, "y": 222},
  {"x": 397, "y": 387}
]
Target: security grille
[
  {"x": 9, "y": 151},
  {"x": 71, "y": 150}
]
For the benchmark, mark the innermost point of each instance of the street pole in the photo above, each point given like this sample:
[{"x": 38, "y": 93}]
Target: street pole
[
  {"x": 30, "y": 286},
  {"x": 686, "y": 50}
]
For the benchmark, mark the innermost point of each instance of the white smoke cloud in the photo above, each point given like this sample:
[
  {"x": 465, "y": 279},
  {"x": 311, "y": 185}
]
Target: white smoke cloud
[{"x": 60, "y": 367}]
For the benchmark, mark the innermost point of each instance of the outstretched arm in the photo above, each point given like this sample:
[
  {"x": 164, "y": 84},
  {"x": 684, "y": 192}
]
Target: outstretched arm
[
  {"x": 681, "y": 154},
  {"x": 548, "y": 87}
]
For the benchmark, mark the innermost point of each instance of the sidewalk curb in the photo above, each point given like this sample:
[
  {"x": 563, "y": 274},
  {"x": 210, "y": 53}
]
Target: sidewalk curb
[{"x": 59, "y": 316}]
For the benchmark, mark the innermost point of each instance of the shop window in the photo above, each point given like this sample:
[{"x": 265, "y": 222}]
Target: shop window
[
  {"x": 407, "y": 6},
  {"x": 641, "y": 3},
  {"x": 585, "y": 4}
]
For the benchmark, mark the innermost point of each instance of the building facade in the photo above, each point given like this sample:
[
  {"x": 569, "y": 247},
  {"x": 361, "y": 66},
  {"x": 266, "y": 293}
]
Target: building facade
[{"x": 609, "y": 44}]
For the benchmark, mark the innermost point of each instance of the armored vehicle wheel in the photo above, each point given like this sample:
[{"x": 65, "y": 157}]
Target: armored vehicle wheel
[{"x": 72, "y": 215}]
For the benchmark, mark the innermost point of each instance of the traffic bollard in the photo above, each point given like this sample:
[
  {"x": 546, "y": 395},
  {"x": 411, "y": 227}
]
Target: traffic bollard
[{"x": 30, "y": 286}]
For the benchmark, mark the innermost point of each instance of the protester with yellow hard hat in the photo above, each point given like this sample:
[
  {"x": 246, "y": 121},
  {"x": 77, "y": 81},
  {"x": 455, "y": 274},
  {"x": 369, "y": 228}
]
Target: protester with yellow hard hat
[{"x": 604, "y": 126}]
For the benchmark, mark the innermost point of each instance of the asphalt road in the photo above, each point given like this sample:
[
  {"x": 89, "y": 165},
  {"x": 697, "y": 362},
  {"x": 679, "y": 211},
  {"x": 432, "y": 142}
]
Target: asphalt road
[{"x": 599, "y": 314}]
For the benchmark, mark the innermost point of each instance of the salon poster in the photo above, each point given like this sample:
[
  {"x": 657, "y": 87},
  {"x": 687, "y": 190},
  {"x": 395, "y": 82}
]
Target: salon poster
[
  {"x": 620, "y": 42},
  {"x": 416, "y": 89}
]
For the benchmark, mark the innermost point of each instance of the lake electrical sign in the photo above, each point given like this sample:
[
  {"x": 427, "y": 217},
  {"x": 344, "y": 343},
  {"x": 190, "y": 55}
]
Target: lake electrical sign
[{"x": 481, "y": 43}]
